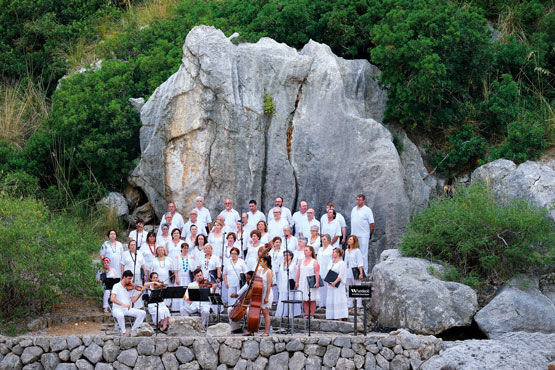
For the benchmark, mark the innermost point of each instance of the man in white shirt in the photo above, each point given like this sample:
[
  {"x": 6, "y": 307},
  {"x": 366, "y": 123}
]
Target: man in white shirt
[
  {"x": 191, "y": 307},
  {"x": 362, "y": 225},
  {"x": 139, "y": 235},
  {"x": 225, "y": 227},
  {"x": 122, "y": 301},
  {"x": 254, "y": 215},
  {"x": 176, "y": 216},
  {"x": 311, "y": 221},
  {"x": 275, "y": 227},
  {"x": 300, "y": 219},
  {"x": 168, "y": 219},
  {"x": 285, "y": 212},
  {"x": 193, "y": 220},
  {"x": 231, "y": 216},
  {"x": 203, "y": 212},
  {"x": 339, "y": 217}
]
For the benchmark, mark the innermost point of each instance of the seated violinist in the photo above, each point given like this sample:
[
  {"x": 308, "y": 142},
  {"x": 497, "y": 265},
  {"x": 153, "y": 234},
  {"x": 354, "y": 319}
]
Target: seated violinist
[
  {"x": 162, "y": 311},
  {"x": 123, "y": 299},
  {"x": 191, "y": 307}
]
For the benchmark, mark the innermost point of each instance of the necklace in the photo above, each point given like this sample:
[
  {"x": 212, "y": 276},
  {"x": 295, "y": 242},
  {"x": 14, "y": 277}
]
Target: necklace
[
  {"x": 152, "y": 249},
  {"x": 159, "y": 263},
  {"x": 114, "y": 247},
  {"x": 185, "y": 264},
  {"x": 206, "y": 262}
]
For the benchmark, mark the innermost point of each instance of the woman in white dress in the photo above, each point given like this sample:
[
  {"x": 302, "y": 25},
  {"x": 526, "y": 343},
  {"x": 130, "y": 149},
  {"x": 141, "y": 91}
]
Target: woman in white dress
[
  {"x": 336, "y": 300},
  {"x": 149, "y": 250},
  {"x": 265, "y": 271},
  {"x": 183, "y": 265},
  {"x": 112, "y": 249},
  {"x": 159, "y": 311},
  {"x": 216, "y": 238},
  {"x": 324, "y": 259},
  {"x": 252, "y": 252},
  {"x": 225, "y": 260},
  {"x": 276, "y": 253},
  {"x": 353, "y": 259},
  {"x": 282, "y": 309},
  {"x": 331, "y": 226},
  {"x": 173, "y": 247},
  {"x": 134, "y": 262},
  {"x": 107, "y": 272},
  {"x": 314, "y": 239},
  {"x": 162, "y": 265},
  {"x": 198, "y": 250},
  {"x": 308, "y": 267},
  {"x": 165, "y": 237},
  {"x": 232, "y": 275},
  {"x": 210, "y": 262},
  {"x": 298, "y": 254},
  {"x": 263, "y": 228},
  {"x": 192, "y": 236}
]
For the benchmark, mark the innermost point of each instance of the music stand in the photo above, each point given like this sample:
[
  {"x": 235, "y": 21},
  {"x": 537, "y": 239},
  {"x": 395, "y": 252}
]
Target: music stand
[
  {"x": 216, "y": 299},
  {"x": 155, "y": 297},
  {"x": 199, "y": 294},
  {"x": 110, "y": 282}
]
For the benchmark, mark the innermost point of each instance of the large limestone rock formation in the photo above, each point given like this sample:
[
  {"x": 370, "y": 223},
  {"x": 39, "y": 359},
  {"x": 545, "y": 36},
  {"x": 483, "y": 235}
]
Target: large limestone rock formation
[
  {"x": 519, "y": 305},
  {"x": 534, "y": 181},
  {"x": 206, "y": 132},
  {"x": 406, "y": 294}
]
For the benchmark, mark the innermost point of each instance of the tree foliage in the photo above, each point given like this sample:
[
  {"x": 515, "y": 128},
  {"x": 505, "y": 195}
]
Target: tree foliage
[{"x": 485, "y": 238}]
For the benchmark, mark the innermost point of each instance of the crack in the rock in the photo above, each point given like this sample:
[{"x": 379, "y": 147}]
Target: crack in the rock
[
  {"x": 536, "y": 181},
  {"x": 290, "y": 139}
]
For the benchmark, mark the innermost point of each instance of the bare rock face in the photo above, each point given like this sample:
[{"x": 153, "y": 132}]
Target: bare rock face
[
  {"x": 530, "y": 180},
  {"x": 518, "y": 306},
  {"x": 406, "y": 294},
  {"x": 256, "y": 121}
]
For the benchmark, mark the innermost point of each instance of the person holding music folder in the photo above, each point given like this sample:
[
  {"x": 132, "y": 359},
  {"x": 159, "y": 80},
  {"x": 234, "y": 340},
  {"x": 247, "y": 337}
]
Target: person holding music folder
[
  {"x": 262, "y": 227},
  {"x": 336, "y": 298},
  {"x": 149, "y": 250},
  {"x": 210, "y": 264},
  {"x": 159, "y": 311},
  {"x": 252, "y": 251},
  {"x": 190, "y": 307},
  {"x": 182, "y": 265},
  {"x": 324, "y": 258},
  {"x": 173, "y": 248},
  {"x": 164, "y": 237},
  {"x": 198, "y": 249},
  {"x": 284, "y": 278},
  {"x": 277, "y": 259},
  {"x": 308, "y": 267},
  {"x": 123, "y": 299},
  {"x": 355, "y": 266},
  {"x": 107, "y": 272},
  {"x": 232, "y": 275},
  {"x": 112, "y": 249}
]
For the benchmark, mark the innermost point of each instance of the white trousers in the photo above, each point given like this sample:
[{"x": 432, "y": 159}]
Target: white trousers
[
  {"x": 106, "y": 298},
  {"x": 163, "y": 312},
  {"x": 363, "y": 241},
  {"x": 120, "y": 313},
  {"x": 189, "y": 308}
]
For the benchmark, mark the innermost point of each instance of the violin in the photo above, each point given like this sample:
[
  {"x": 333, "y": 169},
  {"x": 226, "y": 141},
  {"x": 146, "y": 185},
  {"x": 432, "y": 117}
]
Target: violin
[
  {"x": 206, "y": 284},
  {"x": 132, "y": 286},
  {"x": 155, "y": 285}
]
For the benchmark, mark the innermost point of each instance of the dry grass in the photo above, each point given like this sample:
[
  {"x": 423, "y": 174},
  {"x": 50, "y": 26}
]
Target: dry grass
[{"x": 23, "y": 106}]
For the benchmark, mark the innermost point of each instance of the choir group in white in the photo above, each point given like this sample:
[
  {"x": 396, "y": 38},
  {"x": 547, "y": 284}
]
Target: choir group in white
[{"x": 299, "y": 246}]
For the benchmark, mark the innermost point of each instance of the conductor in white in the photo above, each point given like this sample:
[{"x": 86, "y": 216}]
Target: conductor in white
[
  {"x": 122, "y": 299},
  {"x": 192, "y": 307},
  {"x": 362, "y": 225}
]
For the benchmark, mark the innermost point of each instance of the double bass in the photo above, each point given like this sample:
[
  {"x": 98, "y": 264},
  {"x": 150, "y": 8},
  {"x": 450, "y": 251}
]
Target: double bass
[{"x": 251, "y": 299}]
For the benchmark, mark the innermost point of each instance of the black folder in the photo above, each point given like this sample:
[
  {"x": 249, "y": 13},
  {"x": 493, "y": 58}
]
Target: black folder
[
  {"x": 356, "y": 273},
  {"x": 312, "y": 281},
  {"x": 331, "y": 277},
  {"x": 110, "y": 282}
]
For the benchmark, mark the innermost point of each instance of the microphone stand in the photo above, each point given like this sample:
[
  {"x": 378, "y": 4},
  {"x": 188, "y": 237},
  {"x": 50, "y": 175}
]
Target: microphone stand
[{"x": 221, "y": 275}]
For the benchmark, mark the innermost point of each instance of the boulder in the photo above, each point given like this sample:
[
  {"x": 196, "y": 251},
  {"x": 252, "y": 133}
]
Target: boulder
[
  {"x": 146, "y": 212},
  {"x": 183, "y": 325},
  {"x": 205, "y": 131},
  {"x": 530, "y": 180},
  {"x": 143, "y": 330},
  {"x": 137, "y": 103},
  {"x": 406, "y": 295},
  {"x": 219, "y": 330},
  {"x": 523, "y": 351},
  {"x": 116, "y": 202},
  {"x": 518, "y": 306}
]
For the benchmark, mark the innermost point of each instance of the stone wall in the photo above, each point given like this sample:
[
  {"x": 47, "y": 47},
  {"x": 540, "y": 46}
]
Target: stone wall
[{"x": 399, "y": 350}]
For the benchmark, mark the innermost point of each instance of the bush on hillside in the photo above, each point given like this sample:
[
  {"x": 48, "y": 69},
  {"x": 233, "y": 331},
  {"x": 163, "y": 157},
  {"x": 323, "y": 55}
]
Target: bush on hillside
[
  {"x": 484, "y": 238},
  {"x": 44, "y": 257}
]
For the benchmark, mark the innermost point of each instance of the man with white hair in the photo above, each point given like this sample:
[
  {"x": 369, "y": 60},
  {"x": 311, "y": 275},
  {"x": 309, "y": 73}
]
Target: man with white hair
[
  {"x": 193, "y": 220},
  {"x": 177, "y": 219},
  {"x": 275, "y": 227},
  {"x": 231, "y": 216},
  {"x": 285, "y": 212},
  {"x": 311, "y": 221},
  {"x": 300, "y": 219},
  {"x": 203, "y": 212},
  {"x": 167, "y": 219}
]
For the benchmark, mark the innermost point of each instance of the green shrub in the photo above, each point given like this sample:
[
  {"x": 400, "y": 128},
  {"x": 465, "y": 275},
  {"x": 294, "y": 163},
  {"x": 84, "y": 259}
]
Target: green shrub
[
  {"x": 524, "y": 141},
  {"x": 44, "y": 257},
  {"x": 19, "y": 184},
  {"x": 466, "y": 147},
  {"x": 484, "y": 238}
]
